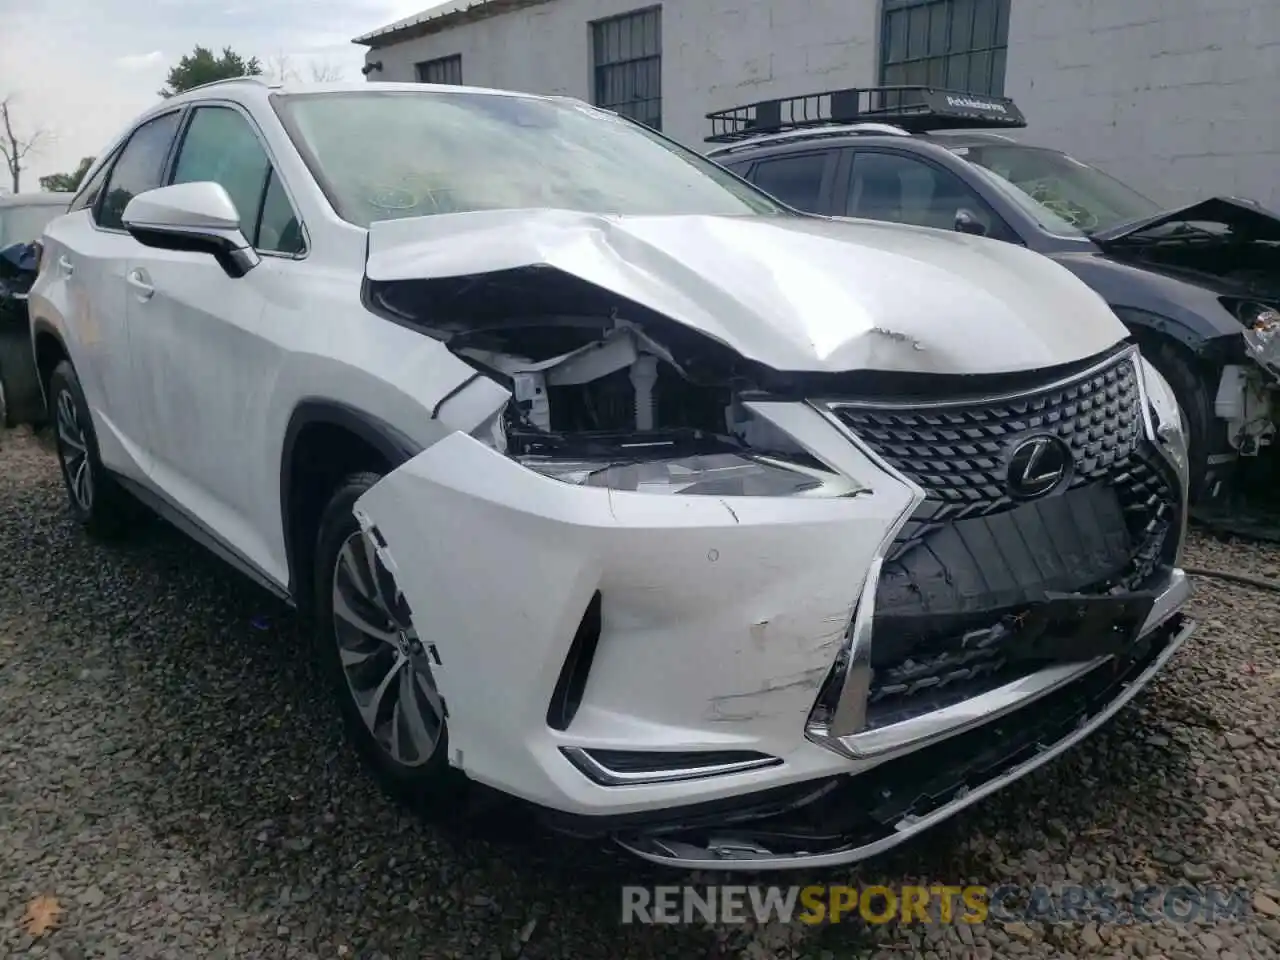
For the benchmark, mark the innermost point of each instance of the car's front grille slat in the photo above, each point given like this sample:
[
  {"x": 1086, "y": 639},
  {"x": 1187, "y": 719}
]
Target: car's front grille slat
[{"x": 973, "y": 557}]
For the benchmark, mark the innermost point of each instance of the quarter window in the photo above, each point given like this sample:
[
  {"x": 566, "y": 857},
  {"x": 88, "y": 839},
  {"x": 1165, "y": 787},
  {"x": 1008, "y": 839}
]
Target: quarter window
[
  {"x": 140, "y": 168},
  {"x": 221, "y": 146},
  {"x": 796, "y": 181}
]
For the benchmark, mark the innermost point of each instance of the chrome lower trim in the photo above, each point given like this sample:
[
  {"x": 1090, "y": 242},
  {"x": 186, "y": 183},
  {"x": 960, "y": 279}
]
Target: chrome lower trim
[
  {"x": 596, "y": 771},
  {"x": 738, "y": 856},
  {"x": 939, "y": 724}
]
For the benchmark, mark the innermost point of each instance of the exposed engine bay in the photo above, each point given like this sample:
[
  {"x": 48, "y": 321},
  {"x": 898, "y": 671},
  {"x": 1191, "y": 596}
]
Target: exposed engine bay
[{"x": 593, "y": 389}]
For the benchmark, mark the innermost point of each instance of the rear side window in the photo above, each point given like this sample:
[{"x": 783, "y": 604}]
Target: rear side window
[
  {"x": 796, "y": 180},
  {"x": 139, "y": 169}
]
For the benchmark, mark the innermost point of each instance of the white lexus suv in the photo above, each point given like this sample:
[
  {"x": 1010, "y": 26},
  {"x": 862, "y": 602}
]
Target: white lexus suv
[{"x": 746, "y": 537}]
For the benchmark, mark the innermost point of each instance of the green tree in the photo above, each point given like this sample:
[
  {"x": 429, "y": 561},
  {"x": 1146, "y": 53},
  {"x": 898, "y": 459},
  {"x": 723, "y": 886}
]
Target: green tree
[
  {"x": 201, "y": 66},
  {"x": 67, "y": 182}
]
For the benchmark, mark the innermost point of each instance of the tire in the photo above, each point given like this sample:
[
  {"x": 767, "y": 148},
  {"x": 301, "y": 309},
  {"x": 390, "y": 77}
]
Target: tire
[
  {"x": 412, "y": 771},
  {"x": 97, "y": 501},
  {"x": 1206, "y": 434},
  {"x": 5, "y": 422}
]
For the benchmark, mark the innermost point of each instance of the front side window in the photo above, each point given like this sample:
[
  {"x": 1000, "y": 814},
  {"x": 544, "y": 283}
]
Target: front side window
[
  {"x": 796, "y": 180},
  {"x": 381, "y": 155},
  {"x": 140, "y": 168},
  {"x": 1063, "y": 189},
  {"x": 887, "y": 186},
  {"x": 221, "y": 146}
]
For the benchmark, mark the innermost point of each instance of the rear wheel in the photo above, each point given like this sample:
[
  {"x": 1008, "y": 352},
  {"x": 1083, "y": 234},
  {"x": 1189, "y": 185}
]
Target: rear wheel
[
  {"x": 97, "y": 502},
  {"x": 376, "y": 663}
]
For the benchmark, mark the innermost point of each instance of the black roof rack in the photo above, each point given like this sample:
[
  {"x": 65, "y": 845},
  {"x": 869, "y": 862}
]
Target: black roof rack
[{"x": 916, "y": 109}]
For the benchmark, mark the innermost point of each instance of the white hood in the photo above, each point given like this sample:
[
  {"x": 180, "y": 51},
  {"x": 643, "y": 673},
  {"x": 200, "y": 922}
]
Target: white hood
[{"x": 796, "y": 294}]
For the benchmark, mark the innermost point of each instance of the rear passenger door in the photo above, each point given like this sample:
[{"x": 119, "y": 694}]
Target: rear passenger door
[
  {"x": 84, "y": 283},
  {"x": 801, "y": 180}
]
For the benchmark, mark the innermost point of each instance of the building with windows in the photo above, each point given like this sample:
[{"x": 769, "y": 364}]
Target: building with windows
[{"x": 1174, "y": 96}]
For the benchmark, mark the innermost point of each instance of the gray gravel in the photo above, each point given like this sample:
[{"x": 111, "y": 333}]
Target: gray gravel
[{"x": 168, "y": 774}]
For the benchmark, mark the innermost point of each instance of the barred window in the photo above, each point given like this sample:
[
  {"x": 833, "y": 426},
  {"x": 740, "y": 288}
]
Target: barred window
[
  {"x": 957, "y": 44},
  {"x": 441, "y": 70},
  {"x": 627, "y": 60}
]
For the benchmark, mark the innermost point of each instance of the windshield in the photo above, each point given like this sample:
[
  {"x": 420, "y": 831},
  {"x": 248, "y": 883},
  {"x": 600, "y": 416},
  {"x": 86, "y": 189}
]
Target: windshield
[
  {"x": 383, "y": 155},
  {"x": 1062, "y": 190},
  {"x": 26, "y": 224}
]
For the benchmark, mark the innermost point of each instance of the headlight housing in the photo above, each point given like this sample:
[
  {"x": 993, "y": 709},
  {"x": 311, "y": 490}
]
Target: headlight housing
[
  {"x": 753, "y": 458},
  {"x": 1168, "y": 420}
]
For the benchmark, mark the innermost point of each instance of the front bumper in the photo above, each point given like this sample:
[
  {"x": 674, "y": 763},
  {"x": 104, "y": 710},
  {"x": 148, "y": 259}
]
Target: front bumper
[{"x": 696, "y": 634}]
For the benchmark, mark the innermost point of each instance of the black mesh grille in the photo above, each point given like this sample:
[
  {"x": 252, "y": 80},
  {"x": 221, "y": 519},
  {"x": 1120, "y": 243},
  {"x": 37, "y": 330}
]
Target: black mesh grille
[
  {"x": 958, "y": 453},
  {"x": 973, "y": 559}
]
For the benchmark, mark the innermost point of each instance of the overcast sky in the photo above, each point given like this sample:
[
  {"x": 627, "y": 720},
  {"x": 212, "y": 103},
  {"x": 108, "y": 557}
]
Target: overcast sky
[{"x": 82, "y": 69}]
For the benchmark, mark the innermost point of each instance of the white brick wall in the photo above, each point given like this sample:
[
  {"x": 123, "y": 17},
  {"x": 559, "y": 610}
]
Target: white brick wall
[
  {"x": 715, "y": 53},
  {"x": 1181, "y": 98}
]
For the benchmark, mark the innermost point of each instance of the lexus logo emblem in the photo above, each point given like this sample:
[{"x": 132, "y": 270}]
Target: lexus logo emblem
[{"x": 1037, "y": 465}]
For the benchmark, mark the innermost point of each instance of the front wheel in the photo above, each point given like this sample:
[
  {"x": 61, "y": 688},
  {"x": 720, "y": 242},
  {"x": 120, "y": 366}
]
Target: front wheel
[
  {"x": 375, "y": 662},
  {"x": 1206, "y": 434},
  {"x": 97, "y": 502}
]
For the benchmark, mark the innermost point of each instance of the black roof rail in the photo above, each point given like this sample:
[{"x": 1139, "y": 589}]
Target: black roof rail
[{"x": 914, "y": 108}]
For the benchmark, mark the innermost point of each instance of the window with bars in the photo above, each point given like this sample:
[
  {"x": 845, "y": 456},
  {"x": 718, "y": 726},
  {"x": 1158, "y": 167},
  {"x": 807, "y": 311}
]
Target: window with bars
[
  {"x": 958, "y": 44},
  {"x": 441, "y": 70},
  {"x": 627, "y": 61}
]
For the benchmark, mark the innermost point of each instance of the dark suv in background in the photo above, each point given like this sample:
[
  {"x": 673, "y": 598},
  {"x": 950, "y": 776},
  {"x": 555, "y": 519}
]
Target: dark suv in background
[{"x": 1198, "y": 286}]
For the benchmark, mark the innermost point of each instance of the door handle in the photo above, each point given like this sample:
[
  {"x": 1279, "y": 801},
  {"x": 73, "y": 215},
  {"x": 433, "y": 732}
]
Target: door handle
[
  {"x": 137, "y": 280},
  {"x": 66, "y": 266}
]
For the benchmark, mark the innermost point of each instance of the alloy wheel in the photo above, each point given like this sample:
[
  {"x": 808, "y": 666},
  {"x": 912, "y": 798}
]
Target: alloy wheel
[
  {"x": 386, "y": 665},
  {"x": 73, "y": 451}
]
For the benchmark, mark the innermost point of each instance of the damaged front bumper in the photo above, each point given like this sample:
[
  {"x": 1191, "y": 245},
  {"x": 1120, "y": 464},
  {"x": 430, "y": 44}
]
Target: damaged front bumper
[{"x": 658, "y": 667}]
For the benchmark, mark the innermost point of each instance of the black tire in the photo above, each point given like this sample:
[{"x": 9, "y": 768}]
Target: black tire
[
  {"x": 1206, "y": 434},
  {"x": 107, "y": 512},
  {"x": 5, "y": 417},
  {"x": 429, "y": 785}
]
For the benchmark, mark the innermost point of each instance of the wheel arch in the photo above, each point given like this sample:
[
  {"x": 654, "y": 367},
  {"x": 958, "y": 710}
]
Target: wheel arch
[
  {"x": 49, "y": 349},
  {"x": 325, "y": 441}
]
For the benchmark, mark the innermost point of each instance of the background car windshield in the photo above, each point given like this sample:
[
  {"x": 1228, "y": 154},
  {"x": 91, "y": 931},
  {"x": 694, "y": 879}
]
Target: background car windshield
[
  {"x": 383, "y": 155},
  {"x": 25, "y": 224},
  {"x": 1075, "y": 192}
]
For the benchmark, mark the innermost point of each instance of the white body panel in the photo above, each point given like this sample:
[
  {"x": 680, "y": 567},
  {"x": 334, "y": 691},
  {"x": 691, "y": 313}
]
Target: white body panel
[
  {"x": 724, "y": 614},
  {"x": 824, "y": 295}
]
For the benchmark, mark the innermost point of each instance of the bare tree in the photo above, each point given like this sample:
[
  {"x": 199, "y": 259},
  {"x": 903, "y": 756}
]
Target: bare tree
[
  {"x": 14, "y": 148},
  {"x": 322, "y": 71},
  {"x": 280, "y": 68}
]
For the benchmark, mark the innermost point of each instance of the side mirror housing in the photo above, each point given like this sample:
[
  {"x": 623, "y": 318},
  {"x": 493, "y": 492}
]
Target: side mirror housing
[
  {"x": 967, "y": 222},
  {"x": 198, "y": 217}
]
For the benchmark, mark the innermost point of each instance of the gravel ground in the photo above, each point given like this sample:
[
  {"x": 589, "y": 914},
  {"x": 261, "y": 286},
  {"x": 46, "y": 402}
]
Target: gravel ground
[{"x": 169, "y": 777}]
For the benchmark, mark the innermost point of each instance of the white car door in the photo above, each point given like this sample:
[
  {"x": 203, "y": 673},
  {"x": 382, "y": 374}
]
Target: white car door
[
  {"x": 205, "y": 358},
  {"x": 82, "y": 290}
]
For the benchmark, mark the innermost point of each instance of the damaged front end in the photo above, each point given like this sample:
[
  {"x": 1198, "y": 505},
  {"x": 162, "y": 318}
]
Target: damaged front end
[
  {"x": 1232, "y": 247},
  {"x": 821, "y": 637},
  {"x": 597, "y": 400}
]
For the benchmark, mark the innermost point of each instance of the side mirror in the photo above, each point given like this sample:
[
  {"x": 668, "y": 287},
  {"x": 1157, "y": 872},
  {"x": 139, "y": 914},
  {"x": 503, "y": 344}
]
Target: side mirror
[
  {"x": 967, "y": 222},
  {"x": 199, "y": 217}
]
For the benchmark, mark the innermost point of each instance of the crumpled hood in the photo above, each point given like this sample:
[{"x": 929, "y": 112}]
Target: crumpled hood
[
  {"x": 794, "y": 293},
  {"x": 1246, "y": 218}
]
